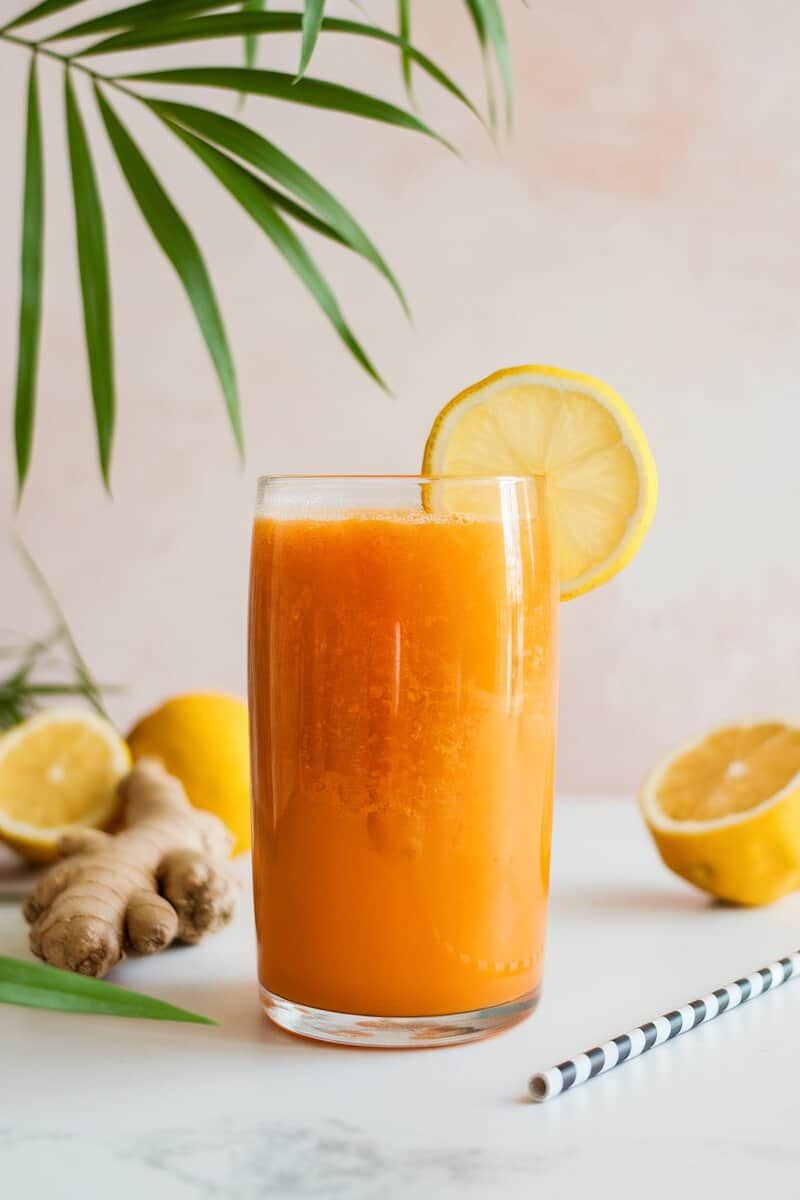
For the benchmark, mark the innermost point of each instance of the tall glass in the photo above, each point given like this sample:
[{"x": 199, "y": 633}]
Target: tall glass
[{"x": 403, "y": 712}]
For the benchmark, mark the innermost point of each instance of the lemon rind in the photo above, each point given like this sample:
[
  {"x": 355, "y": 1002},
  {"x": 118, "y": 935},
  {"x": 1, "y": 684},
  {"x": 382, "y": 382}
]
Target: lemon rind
[{"x": 36, "y": 835}]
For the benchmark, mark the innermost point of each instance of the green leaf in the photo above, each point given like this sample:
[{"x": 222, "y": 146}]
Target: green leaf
[
  {"x": 254, "y": 197},
  {"x": 284, "y": 202},
  {"x": 475, "y": 11},
  {"x": 20, "y": 692},
  {"x": 241, "y": 24},
  {"x": 317, "y": 93},
  {"x": 139, "y": 14},
  {"x": 245, "y": 143},
  {"x": 177, "y": 241},
  {"x": 62, "y": 633},
  {"x": 30, "y": 313},
  {"x": 46, "y": 9},
  {"x": 95, "y": 284},
  {"x": 279, "y": 199},
  {"x": 251, "y": 39},
  {"x": 496, "y": 32},
  {"x": 404, "y": 28},
  {"x": 312, "y": 23},
  {"x": 488, "y": 19},
  {"x": 37, "y": 985},
  {"x": 55, "y": 689}
]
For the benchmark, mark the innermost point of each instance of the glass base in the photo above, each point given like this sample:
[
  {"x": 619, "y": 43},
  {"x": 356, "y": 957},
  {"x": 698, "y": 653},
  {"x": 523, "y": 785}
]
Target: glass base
[{"x": 349, "y": 1029}]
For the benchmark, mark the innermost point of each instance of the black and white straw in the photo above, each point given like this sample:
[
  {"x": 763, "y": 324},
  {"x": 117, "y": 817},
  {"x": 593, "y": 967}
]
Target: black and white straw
[{"x": 545, "y": 1085}]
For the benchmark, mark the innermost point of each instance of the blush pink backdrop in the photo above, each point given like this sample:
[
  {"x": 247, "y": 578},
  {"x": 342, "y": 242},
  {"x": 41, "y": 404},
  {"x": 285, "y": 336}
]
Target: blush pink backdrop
[{"x": 640, "y": 225}]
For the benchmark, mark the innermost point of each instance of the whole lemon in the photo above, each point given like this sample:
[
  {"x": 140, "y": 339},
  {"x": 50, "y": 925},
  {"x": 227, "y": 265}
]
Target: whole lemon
[
  {"x": 724, "y": 812},
  {"x": 202, "y": 738}
]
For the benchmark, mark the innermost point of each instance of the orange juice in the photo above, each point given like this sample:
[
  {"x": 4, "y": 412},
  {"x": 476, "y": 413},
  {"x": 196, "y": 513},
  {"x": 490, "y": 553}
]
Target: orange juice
[{"x": 402, "y": 693}]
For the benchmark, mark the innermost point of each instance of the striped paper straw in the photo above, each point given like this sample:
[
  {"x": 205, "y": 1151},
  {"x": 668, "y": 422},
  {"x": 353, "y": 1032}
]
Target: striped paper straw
[{"x": 545, "y": 1085}]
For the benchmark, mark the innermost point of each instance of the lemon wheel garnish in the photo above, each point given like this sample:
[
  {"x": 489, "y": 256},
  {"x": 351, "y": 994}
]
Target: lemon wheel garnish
[
  {"x": 725, "y": 811},
  {"x": 58, "y": 770},
  {"x": 581, "y": 437}
]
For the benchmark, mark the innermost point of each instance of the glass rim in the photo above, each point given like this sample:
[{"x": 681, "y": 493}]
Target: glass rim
[{"x": 267, "y": 480}]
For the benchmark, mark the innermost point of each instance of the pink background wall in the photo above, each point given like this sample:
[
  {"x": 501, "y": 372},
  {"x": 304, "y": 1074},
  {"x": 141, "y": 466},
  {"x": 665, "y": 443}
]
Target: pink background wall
[{"x": 642, "y": 225}]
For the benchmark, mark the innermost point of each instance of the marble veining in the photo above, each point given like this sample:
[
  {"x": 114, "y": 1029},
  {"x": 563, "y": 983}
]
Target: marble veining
[
  {"x": 266, "y": 1159},
  {"x": 332, "y": 1159}
]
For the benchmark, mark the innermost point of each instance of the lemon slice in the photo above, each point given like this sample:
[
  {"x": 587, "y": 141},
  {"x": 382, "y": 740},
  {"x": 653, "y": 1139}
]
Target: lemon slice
[
  {"x": 581, "y": 436},
  {"x": 58, "y": 769},
  {"x": 725, "y": 811}
]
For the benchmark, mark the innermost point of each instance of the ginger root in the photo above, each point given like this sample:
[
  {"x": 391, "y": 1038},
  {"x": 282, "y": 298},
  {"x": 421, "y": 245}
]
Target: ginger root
[{"x": 163, "y": 878}]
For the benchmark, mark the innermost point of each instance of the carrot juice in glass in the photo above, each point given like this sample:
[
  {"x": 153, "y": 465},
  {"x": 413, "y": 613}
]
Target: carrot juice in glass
[{"x": 402, "y": 705}]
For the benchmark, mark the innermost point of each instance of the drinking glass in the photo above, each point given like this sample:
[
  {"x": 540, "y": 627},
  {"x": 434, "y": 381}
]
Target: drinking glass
[{"x": 402, "y": 681}]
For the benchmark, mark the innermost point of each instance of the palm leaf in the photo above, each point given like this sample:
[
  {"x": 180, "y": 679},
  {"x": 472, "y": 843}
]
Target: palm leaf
[
  {"x": 251, "y": 39},
  {"x": 280, "y": 199},
  {"x": 86, "y": 683},
  {"x": 317, "y": 93},
  {"x": 476, "y": 13},
  {"x": 46, "y": 9},
  {"x": 255, "y": 199},
  {"x": 37, "y": 985},
  {"x": 245, "y": 143},
  {"x": 303, "y": 215},
  {"x": 312, "y": 23},
  {"x": 241, "y": 24},
  {"x": 404, "y": 29},
  {"x": 490, "y": 27},
  {"x": 30, "y": 313},
  {"x": 177, "y": 241},
  {"x": 247, "y": 164},
  {"x": 496, "y": 33},
  {"x": 95, "y": 285},
  {"x": 133, "y": 15}
]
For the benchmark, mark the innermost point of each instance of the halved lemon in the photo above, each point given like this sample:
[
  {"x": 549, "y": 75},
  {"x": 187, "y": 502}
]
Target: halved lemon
[
  {"x": 581, "y": 437},
  {"x": 725, "y": 811},
  {"x": 58, "y": 769}
]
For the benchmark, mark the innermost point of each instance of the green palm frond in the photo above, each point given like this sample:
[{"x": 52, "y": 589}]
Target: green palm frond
[
  {"x": 243, "y": 142},
  {"x": 223, "y": 25},
  {"x": 312, "y": 24},
  {"x": 404, "y": 29},
  {"x": 247, "y": 24},
  {"x": 177, "y": 241},
  {"x": 95, "y": 283},
  {"x": 44, "y": 667},
  {"x": 317, "y": 93},
  {"x": 47, "y": 8},
  {"x": 268, "y": 183},
  {"x": 487, "y": 18},
  {"x": 251, "y": 39},
  {"x": 30, "y": 314},
  {"x": 137, "y": 16},
  {"x": 256, "y": 200}
]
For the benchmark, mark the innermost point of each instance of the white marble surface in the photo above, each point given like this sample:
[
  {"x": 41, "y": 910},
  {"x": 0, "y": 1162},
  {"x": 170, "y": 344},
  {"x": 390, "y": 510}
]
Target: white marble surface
[{"x": 98, "y": 1107}]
